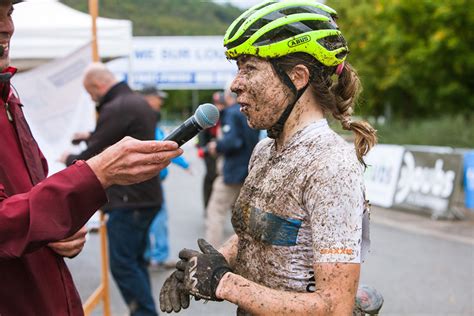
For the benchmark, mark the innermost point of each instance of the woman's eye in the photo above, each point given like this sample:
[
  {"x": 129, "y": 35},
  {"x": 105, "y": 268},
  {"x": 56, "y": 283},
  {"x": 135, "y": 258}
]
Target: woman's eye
[{"x": 251, "y": 67}]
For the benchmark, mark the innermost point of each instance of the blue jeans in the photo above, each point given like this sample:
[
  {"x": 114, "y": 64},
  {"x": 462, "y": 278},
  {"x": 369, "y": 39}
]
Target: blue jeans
[
  {"x": 158, "y": 249},
  {"x": 127, "y": 232}
]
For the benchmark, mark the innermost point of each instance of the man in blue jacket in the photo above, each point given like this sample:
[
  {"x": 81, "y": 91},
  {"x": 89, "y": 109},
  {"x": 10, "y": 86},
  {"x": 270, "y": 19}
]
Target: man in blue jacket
[{"x": 234, "y": 147}]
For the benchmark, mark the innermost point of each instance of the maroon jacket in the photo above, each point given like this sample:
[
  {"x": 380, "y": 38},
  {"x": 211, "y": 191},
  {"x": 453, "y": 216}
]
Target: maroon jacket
[{"x": 34, "y": 211}]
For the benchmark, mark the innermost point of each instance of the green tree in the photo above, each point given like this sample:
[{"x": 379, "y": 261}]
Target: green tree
[{"x": 413, "y": 55}]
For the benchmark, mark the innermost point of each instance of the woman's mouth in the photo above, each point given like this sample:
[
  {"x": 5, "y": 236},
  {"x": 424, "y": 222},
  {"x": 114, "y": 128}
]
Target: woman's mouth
[{"x": 244, "y": 108}]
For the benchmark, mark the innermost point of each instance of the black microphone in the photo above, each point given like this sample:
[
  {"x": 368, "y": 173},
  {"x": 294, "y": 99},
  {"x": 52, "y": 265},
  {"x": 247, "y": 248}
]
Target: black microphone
[{"x": 205, "y": 116}]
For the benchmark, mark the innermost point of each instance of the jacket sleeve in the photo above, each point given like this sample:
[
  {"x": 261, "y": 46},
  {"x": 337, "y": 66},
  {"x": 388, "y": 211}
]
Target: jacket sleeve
[
  {"x": 53, "y": 209},
  {"x": 109, "y": 130},
  {"x": 233, "y": 134}
]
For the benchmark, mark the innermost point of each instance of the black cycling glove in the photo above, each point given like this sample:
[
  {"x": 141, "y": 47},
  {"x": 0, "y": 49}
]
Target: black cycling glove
[
  {"x": 202, "y": 272},
  {"x": 173, "y": 296}
]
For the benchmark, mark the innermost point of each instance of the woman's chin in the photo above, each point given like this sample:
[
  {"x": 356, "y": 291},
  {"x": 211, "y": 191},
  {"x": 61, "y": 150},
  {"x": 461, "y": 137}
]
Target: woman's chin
[{"x": 254, "y": 125}]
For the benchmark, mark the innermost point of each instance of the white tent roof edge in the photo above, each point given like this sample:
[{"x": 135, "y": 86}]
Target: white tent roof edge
[{"x": 48, "y": 29}]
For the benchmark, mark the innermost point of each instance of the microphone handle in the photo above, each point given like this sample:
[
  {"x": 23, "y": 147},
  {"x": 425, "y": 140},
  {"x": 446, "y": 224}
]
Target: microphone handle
[{"x": 185, "y": 131}]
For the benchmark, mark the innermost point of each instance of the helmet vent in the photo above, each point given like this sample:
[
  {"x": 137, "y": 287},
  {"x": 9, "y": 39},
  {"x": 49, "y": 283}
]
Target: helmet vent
[
  {"x": 304, "y": 9},
  {"x": 244, "y": 18},
  {"x": 289, "y": 30},
  {"x": 258, "y": 24},
  {"x": 334, "y": 42}
]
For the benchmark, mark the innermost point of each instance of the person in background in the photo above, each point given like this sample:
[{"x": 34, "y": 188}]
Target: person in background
[
  {"x": 233, "y": 148},
  {"x": 301, "y": 219},
  {"x": 157, "y": 250},
  {"x": 40, "y": 216},
  {"x": 130, "y": 209},
  {"x": 205, "y": 137}
]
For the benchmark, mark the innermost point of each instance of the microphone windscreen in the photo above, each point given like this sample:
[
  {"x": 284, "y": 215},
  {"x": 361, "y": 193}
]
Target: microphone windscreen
[{"x": 206, "y": 115}]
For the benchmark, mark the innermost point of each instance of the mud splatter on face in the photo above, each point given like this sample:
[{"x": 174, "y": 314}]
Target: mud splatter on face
[{"x": 261, "y": 94}]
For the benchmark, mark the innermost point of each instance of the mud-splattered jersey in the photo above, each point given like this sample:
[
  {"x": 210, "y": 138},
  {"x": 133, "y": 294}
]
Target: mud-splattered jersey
[{"x": 300, "y": 205}]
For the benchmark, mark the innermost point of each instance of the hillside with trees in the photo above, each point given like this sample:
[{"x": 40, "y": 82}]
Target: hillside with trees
[{"x": 167, "y": 17}]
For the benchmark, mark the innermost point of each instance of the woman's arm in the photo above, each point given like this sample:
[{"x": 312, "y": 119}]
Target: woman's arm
[
  {"x": 229, "y": 249},
  {"x": 336, "y": 286}
]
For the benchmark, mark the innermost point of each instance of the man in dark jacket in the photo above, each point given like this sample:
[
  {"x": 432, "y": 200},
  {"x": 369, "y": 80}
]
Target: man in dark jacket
[
  {"x": 39, "y": 215},
  {"x": 205, "y": 137},
  {"x": 131, "y": 209},
  {"x": 233, "y": 148}
]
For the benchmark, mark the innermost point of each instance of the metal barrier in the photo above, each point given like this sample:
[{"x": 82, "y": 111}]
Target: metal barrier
[{"x": 102, "y": 292}]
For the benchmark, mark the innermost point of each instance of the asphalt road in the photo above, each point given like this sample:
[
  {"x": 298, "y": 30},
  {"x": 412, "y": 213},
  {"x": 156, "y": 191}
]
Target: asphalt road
[{"x": 420, "y": 266}]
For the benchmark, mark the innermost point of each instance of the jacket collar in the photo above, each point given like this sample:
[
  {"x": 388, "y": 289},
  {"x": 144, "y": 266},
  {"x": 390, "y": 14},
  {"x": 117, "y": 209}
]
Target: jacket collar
[{"x": 117, "y": 89}]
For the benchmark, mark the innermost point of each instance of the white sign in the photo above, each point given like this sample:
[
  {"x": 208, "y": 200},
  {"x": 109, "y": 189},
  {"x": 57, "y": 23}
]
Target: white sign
[
  {"x": 427, "y": 181},
  {"x": 176, "y": 62},
  {"x": 383, "y": 167},
  {"x": 56, "y": 104}
]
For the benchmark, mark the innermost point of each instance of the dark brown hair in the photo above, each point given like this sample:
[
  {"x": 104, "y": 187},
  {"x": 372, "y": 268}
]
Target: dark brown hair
[{"x": 337, "y": 98}]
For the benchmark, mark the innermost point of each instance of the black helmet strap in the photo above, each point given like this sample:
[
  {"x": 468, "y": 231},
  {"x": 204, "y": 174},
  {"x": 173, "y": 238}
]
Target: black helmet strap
[{"x": 275, "y": 131}]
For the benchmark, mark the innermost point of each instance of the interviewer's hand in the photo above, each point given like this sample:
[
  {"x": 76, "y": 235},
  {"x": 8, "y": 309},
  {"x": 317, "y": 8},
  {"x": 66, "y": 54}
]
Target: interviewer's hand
[
  {"x": 71, "y": 246},
  {"x": 132, "y": 161}
]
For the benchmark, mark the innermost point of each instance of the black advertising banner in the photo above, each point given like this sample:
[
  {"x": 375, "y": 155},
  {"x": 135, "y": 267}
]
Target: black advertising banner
[{"x": 427, "y": 181}]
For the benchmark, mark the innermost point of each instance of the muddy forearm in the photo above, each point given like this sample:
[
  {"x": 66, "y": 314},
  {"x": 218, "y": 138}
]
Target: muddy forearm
[
  {"x": 229, "y": 249},
  {"x": 260, "y": 300}
]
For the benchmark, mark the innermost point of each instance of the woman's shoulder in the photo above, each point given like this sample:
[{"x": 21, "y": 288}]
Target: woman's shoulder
[
  {"x": 263, "y": 144},
  {"x": 333, "y": 155}
]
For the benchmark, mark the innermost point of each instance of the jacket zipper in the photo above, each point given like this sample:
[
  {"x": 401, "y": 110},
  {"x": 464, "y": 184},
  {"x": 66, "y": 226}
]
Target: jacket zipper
[{"x": 9, "y": 114}]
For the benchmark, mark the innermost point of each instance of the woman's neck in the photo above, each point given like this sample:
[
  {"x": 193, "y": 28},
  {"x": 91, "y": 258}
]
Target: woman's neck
[{"x": 305, "y": 112}]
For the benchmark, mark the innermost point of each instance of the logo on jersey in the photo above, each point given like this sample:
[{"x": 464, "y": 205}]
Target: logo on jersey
[{"x": 336, "y": 251}]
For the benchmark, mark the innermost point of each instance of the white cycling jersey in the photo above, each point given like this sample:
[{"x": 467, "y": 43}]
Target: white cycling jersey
[{"x": 301, "y": 205}]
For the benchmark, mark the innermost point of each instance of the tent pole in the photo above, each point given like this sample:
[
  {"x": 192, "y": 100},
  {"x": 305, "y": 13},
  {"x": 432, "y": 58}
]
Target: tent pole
[
  {"x": 102, "y": 292},
  {"x": 94, "y": 12}
]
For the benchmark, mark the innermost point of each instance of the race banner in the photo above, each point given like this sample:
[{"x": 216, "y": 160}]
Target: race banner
[
  {"x": 427, "y": 181},
  {"x": 176, "y": 63},
  {"x": 381, "y": 176}
]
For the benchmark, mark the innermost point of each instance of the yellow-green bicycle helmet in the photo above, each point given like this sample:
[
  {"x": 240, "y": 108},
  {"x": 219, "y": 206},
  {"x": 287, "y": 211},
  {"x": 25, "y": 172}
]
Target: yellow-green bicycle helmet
[{"x": 274, "y": 29}]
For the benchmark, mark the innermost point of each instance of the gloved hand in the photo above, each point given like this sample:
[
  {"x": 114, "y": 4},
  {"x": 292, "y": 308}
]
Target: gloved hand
[
  {"x": 173, "y": 296},
  {"x": 202, "y": 272}
]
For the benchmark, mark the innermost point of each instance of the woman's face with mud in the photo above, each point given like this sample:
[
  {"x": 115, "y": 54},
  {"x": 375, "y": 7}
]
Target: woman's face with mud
[{"x": 260, "y": 93}]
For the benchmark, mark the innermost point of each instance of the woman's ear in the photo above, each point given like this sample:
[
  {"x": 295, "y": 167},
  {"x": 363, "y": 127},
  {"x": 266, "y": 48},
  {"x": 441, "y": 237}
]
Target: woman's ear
[{"x": 300, "y": 76}]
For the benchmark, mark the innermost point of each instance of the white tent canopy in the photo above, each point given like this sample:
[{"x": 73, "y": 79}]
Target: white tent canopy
[{"x": 48, "y": 29}]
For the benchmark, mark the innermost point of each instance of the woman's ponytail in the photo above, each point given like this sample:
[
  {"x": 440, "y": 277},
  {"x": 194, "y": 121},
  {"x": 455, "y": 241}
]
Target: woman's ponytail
[{"x": 345, "y": 92}]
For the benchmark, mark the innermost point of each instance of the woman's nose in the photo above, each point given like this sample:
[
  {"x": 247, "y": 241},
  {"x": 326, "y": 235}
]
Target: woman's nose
[{"x": 236, "y": 85}]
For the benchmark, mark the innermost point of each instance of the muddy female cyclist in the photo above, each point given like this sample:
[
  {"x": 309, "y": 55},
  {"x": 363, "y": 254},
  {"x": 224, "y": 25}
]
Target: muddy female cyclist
[{"x": 301, "y": 218}]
